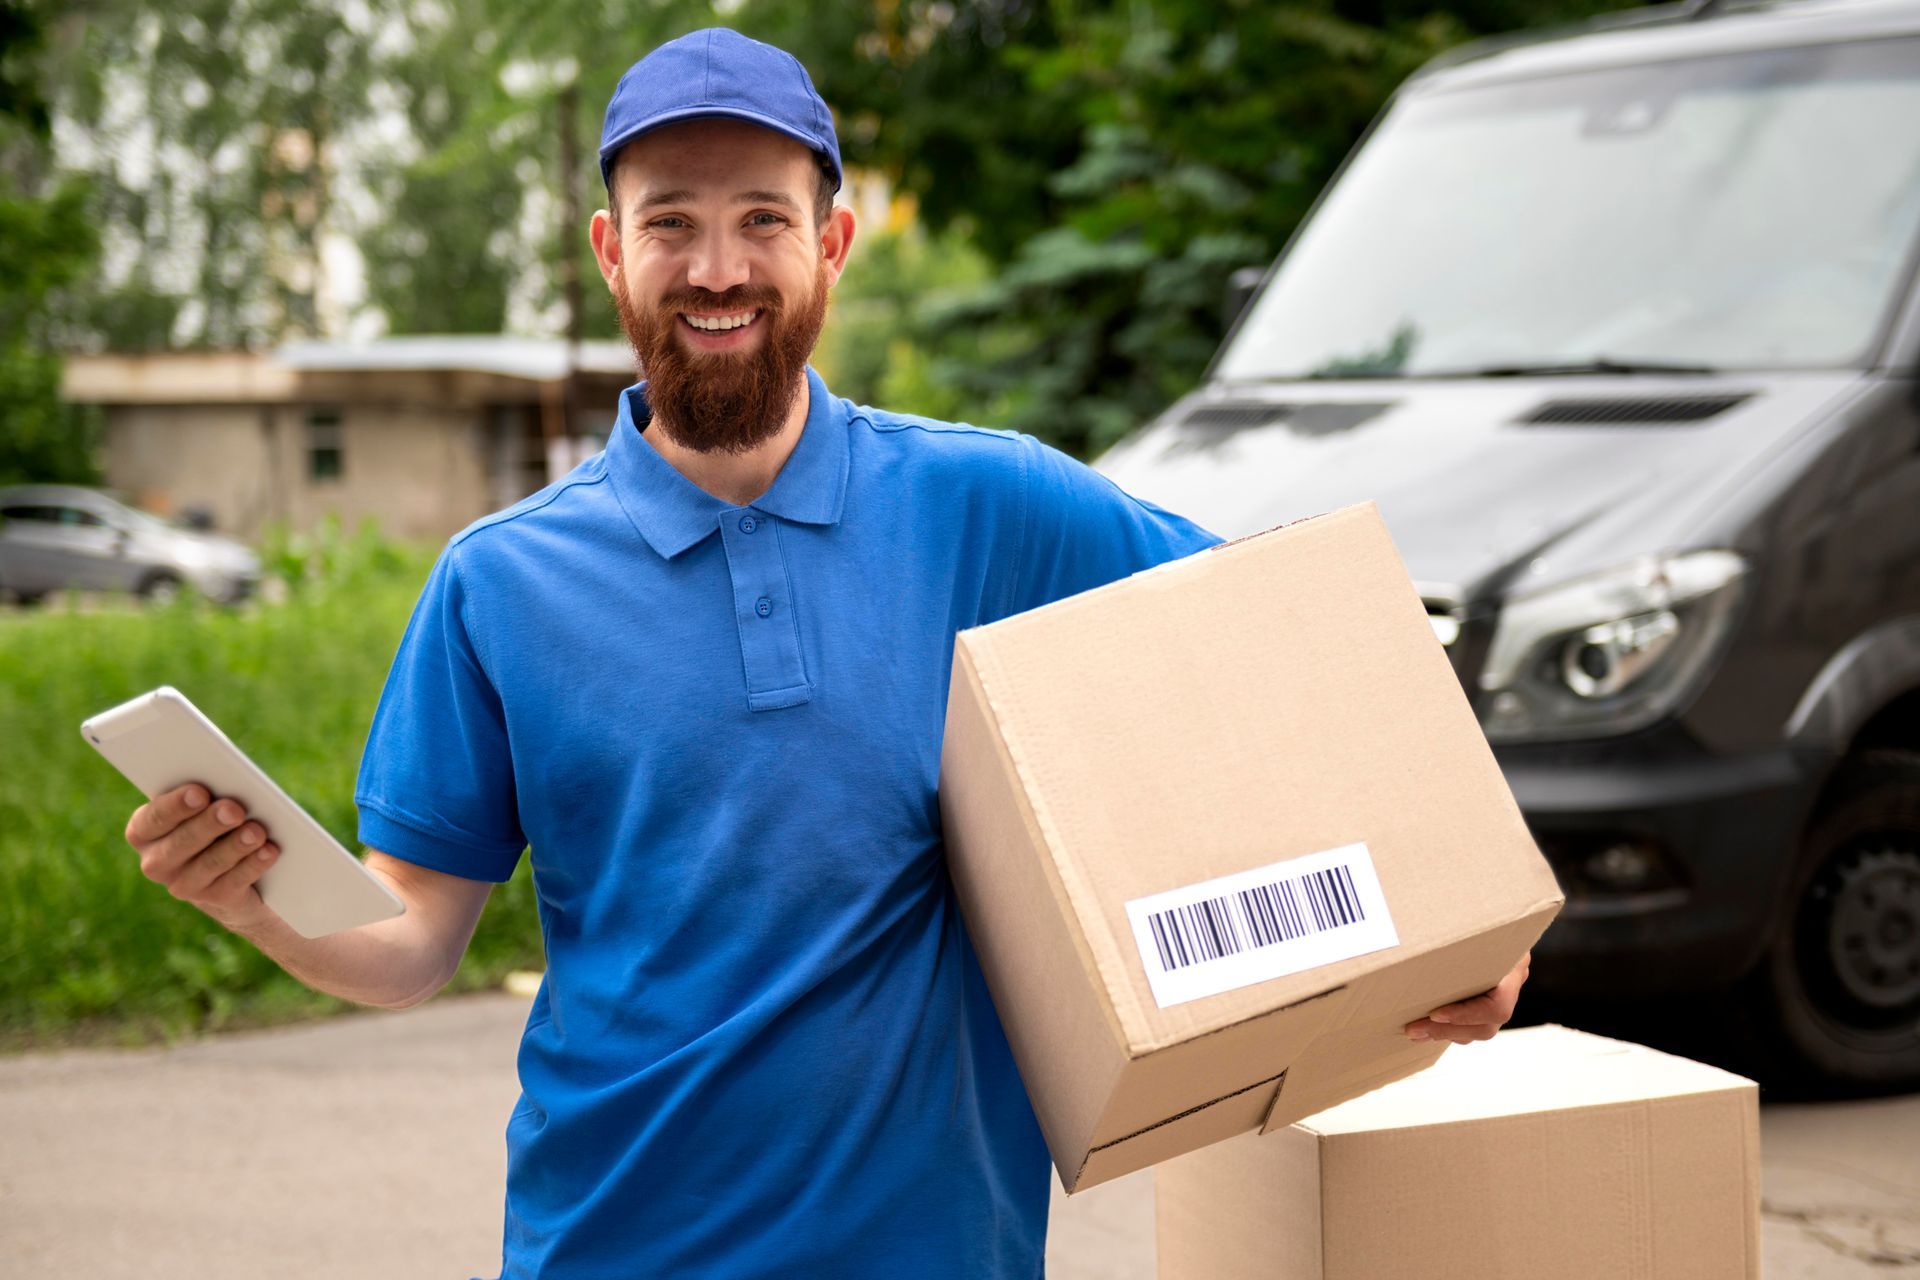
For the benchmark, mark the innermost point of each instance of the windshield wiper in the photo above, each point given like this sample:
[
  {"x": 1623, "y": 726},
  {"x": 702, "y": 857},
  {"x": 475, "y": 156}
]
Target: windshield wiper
[{"x": 1599, "y": 364}]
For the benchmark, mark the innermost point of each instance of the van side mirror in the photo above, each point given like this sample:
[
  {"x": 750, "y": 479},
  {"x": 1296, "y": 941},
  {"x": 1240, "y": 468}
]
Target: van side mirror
[{"x": 1241, "y": 286}]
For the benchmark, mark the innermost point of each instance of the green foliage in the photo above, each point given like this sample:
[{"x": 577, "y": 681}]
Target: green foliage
[
  {"x": 46, "y": 245},
  {"x": 1112, "y": 163},
  {"x": 490, "y": 89},
  {"x": 211, "y": 128},
  {"x": 898, "y": 280},
  {"x": 1115, "y": 162},
  {"x": 86, "y": 942}
]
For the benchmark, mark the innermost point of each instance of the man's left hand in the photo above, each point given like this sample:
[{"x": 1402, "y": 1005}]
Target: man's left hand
[{"x": 1477, "y": 1018}]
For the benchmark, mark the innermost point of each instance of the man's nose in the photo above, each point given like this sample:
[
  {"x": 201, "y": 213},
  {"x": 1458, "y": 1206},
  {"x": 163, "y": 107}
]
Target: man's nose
[{"x": 718, "y": 263}]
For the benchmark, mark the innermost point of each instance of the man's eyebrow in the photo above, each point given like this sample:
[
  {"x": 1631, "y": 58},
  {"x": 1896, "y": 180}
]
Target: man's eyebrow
[
  {"x": 682, "y": 195},
  {"x": 767, "y": 197},
  {"x": 650, "y": 198}
]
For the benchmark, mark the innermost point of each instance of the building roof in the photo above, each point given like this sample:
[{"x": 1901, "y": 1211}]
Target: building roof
[
  {"x": 451, "y": 367},
  {"x": 541, "y": 359}
]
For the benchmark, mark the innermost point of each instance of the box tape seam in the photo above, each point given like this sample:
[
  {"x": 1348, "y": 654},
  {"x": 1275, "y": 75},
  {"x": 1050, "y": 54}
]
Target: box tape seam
[{"x": 1182, "y": 1115}]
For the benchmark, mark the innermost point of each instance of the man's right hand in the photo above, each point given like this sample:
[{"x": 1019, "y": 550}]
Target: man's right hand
[{"x": 205, "y": 854}]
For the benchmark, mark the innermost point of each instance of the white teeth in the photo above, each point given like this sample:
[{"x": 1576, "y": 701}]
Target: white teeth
[{"x": 717, "y": 324}]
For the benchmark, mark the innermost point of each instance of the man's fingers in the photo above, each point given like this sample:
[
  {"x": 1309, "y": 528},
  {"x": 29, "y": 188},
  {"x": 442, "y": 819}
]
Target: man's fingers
[
  {"x": 1424, "y": 1029},
  {"x": 160, "y": 815},
  {"x": 1493, "y": 1007},
  {"x": 165, "y": 858},
  {"x": 217, "y": 860},
  {"x": 1490, "y": 1007},
  {"x": 233, "y": 886}
]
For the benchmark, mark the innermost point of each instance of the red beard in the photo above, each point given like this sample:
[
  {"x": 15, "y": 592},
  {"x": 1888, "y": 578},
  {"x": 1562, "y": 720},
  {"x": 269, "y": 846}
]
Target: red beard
[{"x": 723, "y": 402}]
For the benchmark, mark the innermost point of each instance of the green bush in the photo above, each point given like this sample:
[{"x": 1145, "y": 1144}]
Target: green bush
[{"x": 89, "y": 948}]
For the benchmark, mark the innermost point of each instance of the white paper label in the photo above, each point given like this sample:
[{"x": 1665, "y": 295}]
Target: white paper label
[{"x": 1202, "y": 939}]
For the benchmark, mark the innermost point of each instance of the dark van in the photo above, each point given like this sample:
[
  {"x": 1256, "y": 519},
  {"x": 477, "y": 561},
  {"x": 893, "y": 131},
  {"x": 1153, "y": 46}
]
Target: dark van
[{"x": 1621, "y": 330}]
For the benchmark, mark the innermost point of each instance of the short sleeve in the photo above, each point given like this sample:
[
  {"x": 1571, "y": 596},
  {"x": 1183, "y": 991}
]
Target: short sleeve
[
  {"x": 436, "y": 779},
  {"x": 1084, "y": 531}
]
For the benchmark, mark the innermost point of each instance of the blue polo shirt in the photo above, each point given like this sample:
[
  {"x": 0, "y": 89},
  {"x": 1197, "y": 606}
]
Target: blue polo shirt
[{"x": 763, "y": 1046}]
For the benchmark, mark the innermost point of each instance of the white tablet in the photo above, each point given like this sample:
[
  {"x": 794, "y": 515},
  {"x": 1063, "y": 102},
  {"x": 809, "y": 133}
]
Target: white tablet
[{"x": 160, "y": 740}]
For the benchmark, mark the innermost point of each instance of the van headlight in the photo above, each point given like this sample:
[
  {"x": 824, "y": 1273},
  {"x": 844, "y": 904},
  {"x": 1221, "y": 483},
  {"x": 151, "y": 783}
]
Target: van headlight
[{"x": 1611, "y": 653}]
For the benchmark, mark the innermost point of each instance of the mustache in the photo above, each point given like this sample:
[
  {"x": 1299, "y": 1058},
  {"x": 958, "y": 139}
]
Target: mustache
[{"x": 740, "y": 297}]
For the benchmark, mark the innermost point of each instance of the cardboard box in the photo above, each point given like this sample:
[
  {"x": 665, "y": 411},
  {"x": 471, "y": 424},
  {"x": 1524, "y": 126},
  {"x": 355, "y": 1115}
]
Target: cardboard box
[
  {"x": 1276, "y": 716},
  {"x": 1542, "y": 1152}
]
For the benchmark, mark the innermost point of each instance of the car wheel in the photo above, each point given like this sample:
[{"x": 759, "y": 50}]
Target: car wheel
[
  {"x": 1843, "y": 978},
  {"x": 161, "y": 589}
]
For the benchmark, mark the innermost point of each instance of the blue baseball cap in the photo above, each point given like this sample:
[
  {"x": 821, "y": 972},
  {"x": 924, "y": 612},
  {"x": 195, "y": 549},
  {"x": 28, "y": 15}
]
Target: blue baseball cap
[{"x": 718, "y": 72}]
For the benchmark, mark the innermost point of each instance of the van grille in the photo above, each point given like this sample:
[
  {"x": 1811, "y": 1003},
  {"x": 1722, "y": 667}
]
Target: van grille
[
  {"x": 1210, "y": 425},
  {"x": 1645, "y": 409},
  {"x": 1236, "y": 417}
]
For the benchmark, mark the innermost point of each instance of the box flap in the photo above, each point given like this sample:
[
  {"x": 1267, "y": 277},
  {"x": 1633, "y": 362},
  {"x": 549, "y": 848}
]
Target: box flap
[
  {"x": 1523, "y": 1072},
  {"x": 1368, "y": 1048}
]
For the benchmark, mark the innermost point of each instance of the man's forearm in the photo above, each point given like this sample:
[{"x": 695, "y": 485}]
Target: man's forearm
[
  {"x": 389, "y": 963},
  {"x": 206, "y": 852}
]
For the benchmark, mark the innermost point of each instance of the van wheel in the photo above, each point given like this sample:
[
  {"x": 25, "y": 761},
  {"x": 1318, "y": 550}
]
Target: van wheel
[
  {"x": 161, "y": 589},
  {"x": 1844, "y": 976}
]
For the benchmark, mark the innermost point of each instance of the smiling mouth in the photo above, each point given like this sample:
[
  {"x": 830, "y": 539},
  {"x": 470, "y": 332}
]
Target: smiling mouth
[{"x": 725, "y": 323}]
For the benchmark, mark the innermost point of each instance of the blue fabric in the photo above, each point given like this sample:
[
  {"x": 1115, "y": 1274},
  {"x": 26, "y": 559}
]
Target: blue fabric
[
  {"x": 764, "y": 1045},
  {"x": 718, "y": 72}
]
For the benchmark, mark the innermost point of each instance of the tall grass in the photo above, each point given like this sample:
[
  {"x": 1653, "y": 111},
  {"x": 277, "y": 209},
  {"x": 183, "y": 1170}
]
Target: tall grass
[{"x": 89, "y": 948}]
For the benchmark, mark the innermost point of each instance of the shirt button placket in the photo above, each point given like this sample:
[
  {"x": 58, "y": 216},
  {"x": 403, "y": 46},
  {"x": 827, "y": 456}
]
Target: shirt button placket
[{"x": 769, "y": 640}]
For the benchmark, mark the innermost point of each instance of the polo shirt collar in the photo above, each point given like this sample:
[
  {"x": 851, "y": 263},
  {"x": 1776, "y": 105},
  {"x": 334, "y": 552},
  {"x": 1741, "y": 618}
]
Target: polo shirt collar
[{"x": 672, "y": 513}]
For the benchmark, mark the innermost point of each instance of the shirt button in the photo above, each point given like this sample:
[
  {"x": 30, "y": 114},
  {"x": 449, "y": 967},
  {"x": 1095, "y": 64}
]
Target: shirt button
[
  {"x": 748, "y": 524},
  {"x": 763, "y": 606}
]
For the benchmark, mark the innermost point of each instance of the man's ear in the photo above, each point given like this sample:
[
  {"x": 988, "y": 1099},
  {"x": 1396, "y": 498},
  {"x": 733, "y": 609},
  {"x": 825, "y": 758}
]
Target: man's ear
[
  {"x": 836, "y": 239},
  {"x": 606, "y": 244}
]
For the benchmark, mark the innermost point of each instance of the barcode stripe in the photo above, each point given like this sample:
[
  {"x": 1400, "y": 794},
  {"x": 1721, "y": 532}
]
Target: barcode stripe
[
  {"x": 1261, "y": 916},
  {"x": 1344, "y": 882}
]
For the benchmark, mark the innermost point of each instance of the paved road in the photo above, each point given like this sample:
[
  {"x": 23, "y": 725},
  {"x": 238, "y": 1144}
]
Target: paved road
[{"x": 369, "y": 1146}]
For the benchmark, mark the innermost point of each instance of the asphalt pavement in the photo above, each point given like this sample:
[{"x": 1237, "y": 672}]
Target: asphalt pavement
[{"x": 370, "y": 1146}]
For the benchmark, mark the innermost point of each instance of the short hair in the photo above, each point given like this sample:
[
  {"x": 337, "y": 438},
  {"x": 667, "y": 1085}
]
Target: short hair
[{"x": 824, "y": 187}]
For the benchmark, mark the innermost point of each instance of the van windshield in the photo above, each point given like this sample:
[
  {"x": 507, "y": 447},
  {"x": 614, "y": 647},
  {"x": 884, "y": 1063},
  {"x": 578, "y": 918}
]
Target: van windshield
[{"x": 1750, "y": 211}]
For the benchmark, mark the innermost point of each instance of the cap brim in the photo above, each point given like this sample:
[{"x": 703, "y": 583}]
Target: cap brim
[{"x": 611, "y": 149}]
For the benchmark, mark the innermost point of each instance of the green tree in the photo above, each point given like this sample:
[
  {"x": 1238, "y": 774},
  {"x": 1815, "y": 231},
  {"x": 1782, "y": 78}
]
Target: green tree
[
  {"x": 46, "y": 245},
  {"x": 210, "y": 130},
  {"x": 504, "y": 100}
]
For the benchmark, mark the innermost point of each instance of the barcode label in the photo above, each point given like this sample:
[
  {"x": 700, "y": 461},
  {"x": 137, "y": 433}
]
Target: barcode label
[{"x": 1234, "y": 931}]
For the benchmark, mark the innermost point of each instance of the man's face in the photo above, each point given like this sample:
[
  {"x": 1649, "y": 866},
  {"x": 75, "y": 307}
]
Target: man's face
[{"x": 719, "y": 275}]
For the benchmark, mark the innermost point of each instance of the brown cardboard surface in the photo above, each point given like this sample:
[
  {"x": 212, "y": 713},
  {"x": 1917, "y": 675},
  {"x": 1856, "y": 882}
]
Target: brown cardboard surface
[
  {"x": 1018, "y": 931},
  {"x": 1273, "y": 698},
  {"x": 1544, "y": 1152},
  {"x": 1266, "y": 1188}
]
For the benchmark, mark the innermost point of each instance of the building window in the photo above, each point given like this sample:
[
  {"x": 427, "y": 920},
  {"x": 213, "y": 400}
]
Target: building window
[{"x": 324, "y": 460}]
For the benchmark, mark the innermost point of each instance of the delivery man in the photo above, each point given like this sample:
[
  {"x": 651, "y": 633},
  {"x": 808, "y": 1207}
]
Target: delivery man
[{"x": 704, "y": 676}]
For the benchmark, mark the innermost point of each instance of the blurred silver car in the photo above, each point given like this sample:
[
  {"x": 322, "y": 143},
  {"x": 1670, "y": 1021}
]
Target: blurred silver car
[{"x": 58, "y": 536}]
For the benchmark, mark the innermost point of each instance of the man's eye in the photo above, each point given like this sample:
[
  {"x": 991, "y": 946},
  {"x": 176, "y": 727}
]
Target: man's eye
[
  {"x": 767, "y": 220},
  {"x": 668, "y": 223}
]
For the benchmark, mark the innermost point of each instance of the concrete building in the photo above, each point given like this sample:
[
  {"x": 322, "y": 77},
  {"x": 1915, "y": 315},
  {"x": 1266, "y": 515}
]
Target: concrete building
[{"x": 422, "y": 434}]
